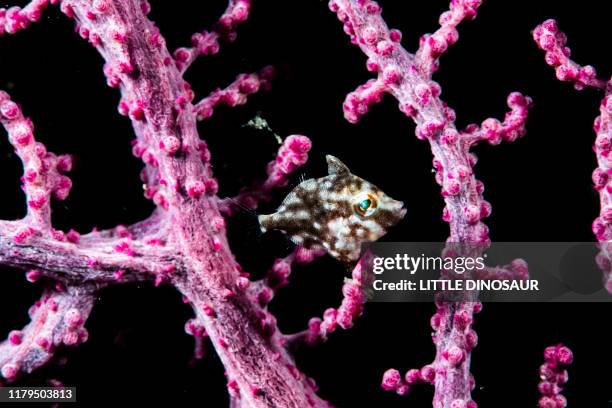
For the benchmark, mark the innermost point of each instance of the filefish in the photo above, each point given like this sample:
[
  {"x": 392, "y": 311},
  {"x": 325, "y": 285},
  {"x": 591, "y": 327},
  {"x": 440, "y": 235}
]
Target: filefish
[{"x": 338, "y": 212}]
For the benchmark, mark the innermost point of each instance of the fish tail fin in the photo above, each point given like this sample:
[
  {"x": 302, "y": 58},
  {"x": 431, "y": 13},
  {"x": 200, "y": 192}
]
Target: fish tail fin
[{"x": 264, "y": 221}]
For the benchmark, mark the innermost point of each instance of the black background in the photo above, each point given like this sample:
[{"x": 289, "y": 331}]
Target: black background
[{"x": 539, "y": 186}]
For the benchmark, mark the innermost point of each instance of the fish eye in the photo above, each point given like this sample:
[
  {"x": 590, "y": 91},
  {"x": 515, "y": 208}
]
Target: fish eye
[{"x": 365, "y": 204}]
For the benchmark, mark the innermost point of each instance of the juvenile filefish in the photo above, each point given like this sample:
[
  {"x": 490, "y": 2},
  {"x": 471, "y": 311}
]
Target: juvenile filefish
[{"x": 338, "y": 212}]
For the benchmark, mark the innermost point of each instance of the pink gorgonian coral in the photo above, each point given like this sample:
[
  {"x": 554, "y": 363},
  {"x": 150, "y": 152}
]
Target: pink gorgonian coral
[
  {"x": 408, "y": 77},
  {"x": 553, "y": 376},
  {"x": 550, "y": 39},
  {"x": 183, "y": 243}
]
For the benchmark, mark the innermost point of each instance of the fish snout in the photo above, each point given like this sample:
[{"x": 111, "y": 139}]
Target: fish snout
[{"x": 400, "y": 209}]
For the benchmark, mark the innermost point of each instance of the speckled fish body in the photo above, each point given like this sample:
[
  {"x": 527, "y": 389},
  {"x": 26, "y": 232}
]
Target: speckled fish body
[{"x": 338, "y": 212}]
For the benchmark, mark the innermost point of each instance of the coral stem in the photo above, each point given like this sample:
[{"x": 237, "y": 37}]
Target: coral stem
[
  {"x": 550, "y": 39},
  {"x": 407, "y": 77}
]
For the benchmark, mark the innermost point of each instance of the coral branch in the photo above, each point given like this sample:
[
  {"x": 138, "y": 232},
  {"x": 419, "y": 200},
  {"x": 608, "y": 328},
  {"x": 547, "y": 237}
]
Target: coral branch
[
  {"x": 453, "y": 335},
  {"x": 552, "y": 40},
  {"x": 432, "y": 46},
  {"x": 195, "y": 328},
  {"x": 57, "y": 319},
  {"x": 277, "y": 276},
  {"x": 235, "y": 94},
  {"x": 42, "y": 171},
  {"x": 359, "y": 101},
  {"x": 418, "y": 98},
  {"x": 516, "y": 270},
  {"x": 15, "y": 18},
  {"x": 292, "y": 154},
  {"x": 454, "y": 339},
  {"x": 179, "y": 180},
  {"x": 554, "y": 376},
  {"x": 494, "y": 132},
  {"x": 94, "y": 259},
  {"x": 207, "y": 42},
  {"x": 351, "y": 307},
  {"x": 408, "y": 78},
  {"x": 393, "y": 381}
]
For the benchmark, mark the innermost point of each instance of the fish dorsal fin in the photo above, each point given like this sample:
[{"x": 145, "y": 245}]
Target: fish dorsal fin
[{"x": 335, "y": 166}]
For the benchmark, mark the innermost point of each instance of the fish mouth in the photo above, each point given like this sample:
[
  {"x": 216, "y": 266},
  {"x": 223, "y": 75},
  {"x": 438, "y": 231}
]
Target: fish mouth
[{"x": 402, "y": 210}]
